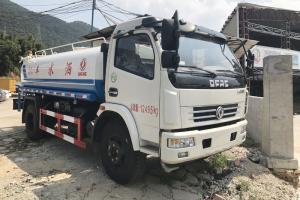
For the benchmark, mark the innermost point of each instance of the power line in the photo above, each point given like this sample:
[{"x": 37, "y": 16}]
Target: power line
[
  {"x": 118, "y": 8},
  {"x": 71, "y": 7},
  {"x": 104, "y": 16},
  {"x": 106, "y": 13},
  {"x": 72, "y": 3},
  {"x": 37, "y": 5}
]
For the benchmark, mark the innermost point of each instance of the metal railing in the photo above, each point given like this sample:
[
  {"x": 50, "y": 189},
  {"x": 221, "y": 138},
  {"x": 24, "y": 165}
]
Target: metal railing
[{"x": 72, "y": 47}]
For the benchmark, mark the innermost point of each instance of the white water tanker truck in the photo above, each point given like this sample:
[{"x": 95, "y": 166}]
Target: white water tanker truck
[{"x": 161, "y": 88}]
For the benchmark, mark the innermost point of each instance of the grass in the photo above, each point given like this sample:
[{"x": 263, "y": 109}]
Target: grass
[{"x": 218, "y": 161}]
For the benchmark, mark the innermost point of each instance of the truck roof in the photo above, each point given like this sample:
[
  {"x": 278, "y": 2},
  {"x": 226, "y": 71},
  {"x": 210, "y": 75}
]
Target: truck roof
[{"x": 135, "y": 22}]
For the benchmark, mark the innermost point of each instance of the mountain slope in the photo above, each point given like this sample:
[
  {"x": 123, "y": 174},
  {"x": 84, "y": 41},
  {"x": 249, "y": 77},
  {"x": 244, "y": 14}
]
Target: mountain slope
[{"x": 51, "y": 31}]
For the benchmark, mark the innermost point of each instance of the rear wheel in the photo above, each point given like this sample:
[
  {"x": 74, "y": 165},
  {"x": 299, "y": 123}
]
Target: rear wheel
[
  {"x": 32, "y": 123},
  {"x": 120, "y": 161}
]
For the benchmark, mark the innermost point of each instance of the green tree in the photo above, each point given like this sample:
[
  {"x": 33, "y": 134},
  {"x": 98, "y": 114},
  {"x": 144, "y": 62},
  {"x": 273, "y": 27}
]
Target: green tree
[{"x": 11, "y": 50}]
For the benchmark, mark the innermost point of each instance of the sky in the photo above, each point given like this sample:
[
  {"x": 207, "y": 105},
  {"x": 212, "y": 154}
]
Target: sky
[{"x": 209, "y": 13}]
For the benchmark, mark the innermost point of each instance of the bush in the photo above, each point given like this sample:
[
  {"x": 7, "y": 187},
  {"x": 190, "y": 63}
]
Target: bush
[{"x": 218, "y": 161}]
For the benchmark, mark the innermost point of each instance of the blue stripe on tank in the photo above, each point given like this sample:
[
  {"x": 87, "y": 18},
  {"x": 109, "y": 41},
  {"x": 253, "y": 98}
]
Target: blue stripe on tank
[
  {"x": 97, "y": 86},
  {"x": 85, "y": 81}
]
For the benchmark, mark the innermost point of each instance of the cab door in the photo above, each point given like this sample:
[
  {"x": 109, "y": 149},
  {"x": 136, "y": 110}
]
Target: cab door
[{"x": 133, "y": 80}]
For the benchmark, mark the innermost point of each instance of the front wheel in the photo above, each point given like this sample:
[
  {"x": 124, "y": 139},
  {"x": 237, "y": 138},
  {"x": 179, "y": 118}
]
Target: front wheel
[{"x": 120, "y": 161}]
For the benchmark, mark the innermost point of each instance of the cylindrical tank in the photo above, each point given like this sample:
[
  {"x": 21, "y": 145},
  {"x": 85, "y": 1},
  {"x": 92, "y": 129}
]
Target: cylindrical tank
[{"x": 72, "y": 71}]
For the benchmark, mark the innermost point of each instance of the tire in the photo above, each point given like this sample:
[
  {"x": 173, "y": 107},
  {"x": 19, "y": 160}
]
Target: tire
[
  {"x": 32, "y": 123},
  {"x": 120, "y": 161}
]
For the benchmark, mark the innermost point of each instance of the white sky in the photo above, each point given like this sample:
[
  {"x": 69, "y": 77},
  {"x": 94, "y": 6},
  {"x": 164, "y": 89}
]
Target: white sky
[{"x": 209, "y": 13}]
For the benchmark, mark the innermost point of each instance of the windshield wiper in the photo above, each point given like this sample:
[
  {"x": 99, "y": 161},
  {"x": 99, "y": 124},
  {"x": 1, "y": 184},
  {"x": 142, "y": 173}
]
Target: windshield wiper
[
  {"x": 232, "y": 72},
  {"x": 200, "y": 69}
]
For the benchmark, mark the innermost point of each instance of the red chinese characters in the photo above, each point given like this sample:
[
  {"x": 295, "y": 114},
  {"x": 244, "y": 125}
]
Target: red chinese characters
[
  {"x": 146, "y": 109},
  {"x": 68, "y": 69},
  {"x": 50, "y": 70}
]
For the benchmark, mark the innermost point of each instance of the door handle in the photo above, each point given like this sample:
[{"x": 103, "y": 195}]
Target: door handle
[{"x": 113, "y": 92}]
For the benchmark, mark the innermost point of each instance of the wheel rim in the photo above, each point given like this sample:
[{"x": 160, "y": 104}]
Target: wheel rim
[
  {"x": 115, "y": 151},
  {"x": 29, "y": 122}
]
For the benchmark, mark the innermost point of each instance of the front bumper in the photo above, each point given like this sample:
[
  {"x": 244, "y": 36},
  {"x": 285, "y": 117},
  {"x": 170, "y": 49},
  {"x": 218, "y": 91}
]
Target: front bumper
[{"x": 220, "y": 138}]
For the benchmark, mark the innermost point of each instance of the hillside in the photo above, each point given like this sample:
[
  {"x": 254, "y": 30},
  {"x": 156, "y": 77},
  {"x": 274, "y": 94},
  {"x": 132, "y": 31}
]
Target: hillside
[{"x": 51, "y": 31}]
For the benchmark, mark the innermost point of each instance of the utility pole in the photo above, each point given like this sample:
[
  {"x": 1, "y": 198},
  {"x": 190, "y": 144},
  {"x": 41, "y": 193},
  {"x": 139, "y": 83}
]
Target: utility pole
[{"x": 93, "y": 9}]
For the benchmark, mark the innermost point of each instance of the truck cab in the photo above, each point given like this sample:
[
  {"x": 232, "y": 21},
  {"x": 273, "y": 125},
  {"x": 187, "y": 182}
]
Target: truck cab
[
  {"x": 172, "y": 90},
  {"x": 185, "y": 113}
]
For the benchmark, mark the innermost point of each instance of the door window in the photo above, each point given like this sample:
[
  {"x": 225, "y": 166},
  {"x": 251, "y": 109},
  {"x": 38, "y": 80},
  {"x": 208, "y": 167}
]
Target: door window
[{"x": 135, "y": 55}]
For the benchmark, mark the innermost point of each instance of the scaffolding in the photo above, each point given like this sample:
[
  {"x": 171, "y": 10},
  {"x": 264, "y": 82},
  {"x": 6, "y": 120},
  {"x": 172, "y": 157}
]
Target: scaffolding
[{"x": 271, "y": 26}]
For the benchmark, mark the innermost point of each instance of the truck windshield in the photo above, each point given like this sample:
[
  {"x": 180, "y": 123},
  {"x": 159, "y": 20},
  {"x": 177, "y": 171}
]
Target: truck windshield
[{"x": 207, "y": 55}]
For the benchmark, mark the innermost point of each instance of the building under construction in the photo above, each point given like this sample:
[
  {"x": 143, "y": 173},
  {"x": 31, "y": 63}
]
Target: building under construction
[
  {"x": 277, "y": 32},
  {"x": 272, "y": 27}
]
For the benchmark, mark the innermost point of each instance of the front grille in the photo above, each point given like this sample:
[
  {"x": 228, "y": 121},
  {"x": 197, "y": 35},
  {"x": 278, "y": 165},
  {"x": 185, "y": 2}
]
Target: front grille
[{"x": 207, "y": 113}]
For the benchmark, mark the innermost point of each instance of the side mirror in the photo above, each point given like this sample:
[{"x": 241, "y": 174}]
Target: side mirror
[
  {"x": 170, "y": 33},
  {"x": 169, "y": 59}
]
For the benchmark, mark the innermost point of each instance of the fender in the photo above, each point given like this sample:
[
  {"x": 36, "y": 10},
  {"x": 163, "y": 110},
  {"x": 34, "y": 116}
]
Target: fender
[{"x": 128, "y": 119}]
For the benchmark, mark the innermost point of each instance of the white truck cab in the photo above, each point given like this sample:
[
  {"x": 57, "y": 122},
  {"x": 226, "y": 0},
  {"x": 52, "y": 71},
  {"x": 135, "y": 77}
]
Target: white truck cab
[
  {"x": 171, "y": 90},
  {"x": 185, "y": 114}
]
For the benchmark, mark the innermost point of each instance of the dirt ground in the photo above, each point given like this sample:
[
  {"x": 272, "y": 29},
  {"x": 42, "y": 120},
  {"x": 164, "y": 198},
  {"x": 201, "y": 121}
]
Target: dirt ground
[
  {"x": 297, "y": 135},
  {"x": 54, "y": 169}
]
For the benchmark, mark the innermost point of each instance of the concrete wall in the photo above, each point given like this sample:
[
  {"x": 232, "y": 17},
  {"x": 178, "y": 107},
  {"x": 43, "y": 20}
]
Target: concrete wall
[
  {"x": 278, "y": 138},
  {"x": 255, "y": 118},
  {"x": 270, "y": 118}
]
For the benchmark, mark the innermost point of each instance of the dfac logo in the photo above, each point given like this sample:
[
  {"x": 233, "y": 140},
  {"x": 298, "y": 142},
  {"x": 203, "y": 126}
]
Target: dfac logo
[
  {"x": 68, "y": 69},
  {"x": 82, "y": 65},
  {"x": 220, "y": 112},
  {"x": 218, "y": 83}
]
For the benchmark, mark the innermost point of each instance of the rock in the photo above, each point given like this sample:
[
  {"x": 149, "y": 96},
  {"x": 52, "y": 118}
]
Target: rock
[
  {"x": 2, "y": 148},
  {"x": 254, "y": 155},
  {"x": 297, "y": 172},
  {"x": 8, "y": 140},
  {"x": 230, "y": 163},
  {"x": 205, "y": 177},
  {"x": 218, "y": 197},
  {"x": 78, "y": 188},
  {"x": 252, "y": 176},
  {"x": 86, "y": 171},
  {"x": 254, "y": 158},
  {"x": 20, "y": 159},
  {"x": 237, "y": 163},
  {"x": 218, "y": 171}
]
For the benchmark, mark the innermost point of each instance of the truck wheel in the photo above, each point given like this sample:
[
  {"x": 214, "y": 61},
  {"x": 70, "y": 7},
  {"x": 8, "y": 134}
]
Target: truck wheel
[
  {"x": 32, "y": 123},
  {"x": 120, "y": 161}
]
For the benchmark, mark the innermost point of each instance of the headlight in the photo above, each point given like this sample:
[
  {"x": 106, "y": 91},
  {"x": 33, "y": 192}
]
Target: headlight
[{"x": 181, "y": 142}]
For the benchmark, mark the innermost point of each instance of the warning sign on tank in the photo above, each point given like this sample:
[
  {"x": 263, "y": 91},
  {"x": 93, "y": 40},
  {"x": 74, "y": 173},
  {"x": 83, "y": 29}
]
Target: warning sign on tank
[{"x": 83, "y": 65}]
